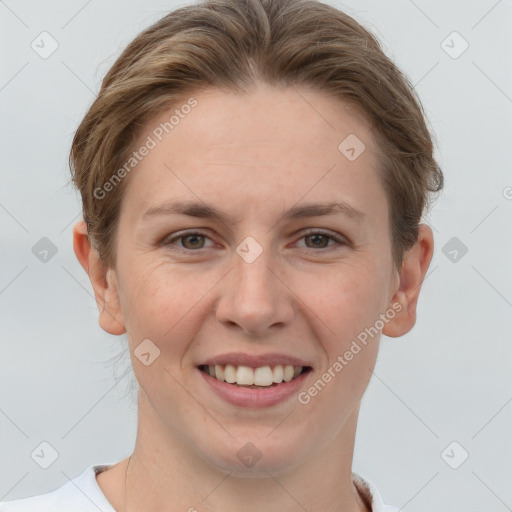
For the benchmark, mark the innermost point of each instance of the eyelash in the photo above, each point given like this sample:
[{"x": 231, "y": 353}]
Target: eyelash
[{"x": 338, "y": 241}]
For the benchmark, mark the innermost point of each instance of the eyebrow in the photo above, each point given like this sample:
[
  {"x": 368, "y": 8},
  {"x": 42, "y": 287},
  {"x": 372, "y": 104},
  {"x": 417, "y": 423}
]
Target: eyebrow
[{"x": 202, "y": 210}]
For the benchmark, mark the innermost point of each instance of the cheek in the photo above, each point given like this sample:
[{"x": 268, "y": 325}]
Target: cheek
[
  {"x": 350, "y": 299},
  {"x": 163, "y": 302},
  {"x": 350, "y": 308}
]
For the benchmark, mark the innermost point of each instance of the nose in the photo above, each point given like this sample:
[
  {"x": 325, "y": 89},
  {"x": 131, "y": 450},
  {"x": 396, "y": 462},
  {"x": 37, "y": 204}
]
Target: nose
[{"x": 255, "y": 296}]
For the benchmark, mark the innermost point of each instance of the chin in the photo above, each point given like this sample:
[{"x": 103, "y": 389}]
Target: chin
[{"x": 254, "y": 456}]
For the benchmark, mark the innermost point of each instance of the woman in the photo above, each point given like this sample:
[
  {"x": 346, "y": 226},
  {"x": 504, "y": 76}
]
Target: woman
[{"x": 253, "y": 177}]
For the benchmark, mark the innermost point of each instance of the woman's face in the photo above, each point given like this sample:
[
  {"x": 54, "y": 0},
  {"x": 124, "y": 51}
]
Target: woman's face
[{"x": 269, "y": 281}]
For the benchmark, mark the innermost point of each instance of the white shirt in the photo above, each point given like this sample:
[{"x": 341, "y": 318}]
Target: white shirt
[{"x": 83, "y": 494}]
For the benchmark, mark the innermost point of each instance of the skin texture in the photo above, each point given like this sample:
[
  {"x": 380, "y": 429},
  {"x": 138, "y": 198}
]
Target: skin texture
[{"x": 253, "y": 156}]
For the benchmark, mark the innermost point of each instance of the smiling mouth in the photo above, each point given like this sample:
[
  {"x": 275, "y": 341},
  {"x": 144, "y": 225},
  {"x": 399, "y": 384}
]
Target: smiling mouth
[{"x": 248, "y": 377}]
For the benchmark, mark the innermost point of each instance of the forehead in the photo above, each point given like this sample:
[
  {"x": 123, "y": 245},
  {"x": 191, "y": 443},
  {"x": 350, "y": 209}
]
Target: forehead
[
  {"x": 268, "y": 119},
  {"x": 280, "y": 144}
]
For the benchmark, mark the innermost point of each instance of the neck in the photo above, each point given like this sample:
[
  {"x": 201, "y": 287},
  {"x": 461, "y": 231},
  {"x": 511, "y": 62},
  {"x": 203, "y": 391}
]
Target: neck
[{"x": 163, "y": 474}]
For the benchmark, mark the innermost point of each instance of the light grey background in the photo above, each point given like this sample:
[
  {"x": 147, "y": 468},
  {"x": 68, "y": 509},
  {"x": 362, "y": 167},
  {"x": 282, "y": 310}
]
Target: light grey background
[{"x": 449, "y": 379}]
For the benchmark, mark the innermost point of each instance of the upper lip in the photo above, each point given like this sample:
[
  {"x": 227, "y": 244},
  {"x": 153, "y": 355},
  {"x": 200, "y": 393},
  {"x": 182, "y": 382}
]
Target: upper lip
[{"x": 254, "y": 360}]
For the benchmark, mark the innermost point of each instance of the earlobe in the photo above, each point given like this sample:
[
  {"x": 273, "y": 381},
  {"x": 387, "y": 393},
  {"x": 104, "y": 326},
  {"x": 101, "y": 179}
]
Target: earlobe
[
  {"x": 103, "y": 280},
  {"x": 414, "y": 268}
]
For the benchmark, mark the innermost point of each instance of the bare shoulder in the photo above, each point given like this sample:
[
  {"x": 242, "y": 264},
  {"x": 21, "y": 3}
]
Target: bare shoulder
[{"x": 111, "y": 483}]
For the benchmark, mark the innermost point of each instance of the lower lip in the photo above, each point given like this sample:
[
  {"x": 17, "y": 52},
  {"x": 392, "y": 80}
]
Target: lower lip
[{"x": 254, "y": 397}]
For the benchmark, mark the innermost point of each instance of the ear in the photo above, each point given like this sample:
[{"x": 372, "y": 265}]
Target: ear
[
  {"x": 103, "y": 280},
  {"x": 414, "y": 268}
]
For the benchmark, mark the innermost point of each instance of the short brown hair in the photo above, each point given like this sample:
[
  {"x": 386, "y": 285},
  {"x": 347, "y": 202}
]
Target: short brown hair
[{"x": 231, "y": 45}]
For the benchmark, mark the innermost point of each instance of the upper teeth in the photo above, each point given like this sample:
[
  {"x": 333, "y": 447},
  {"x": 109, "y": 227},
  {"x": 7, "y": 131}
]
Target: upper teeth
[{"x": 247, "y": 376}]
